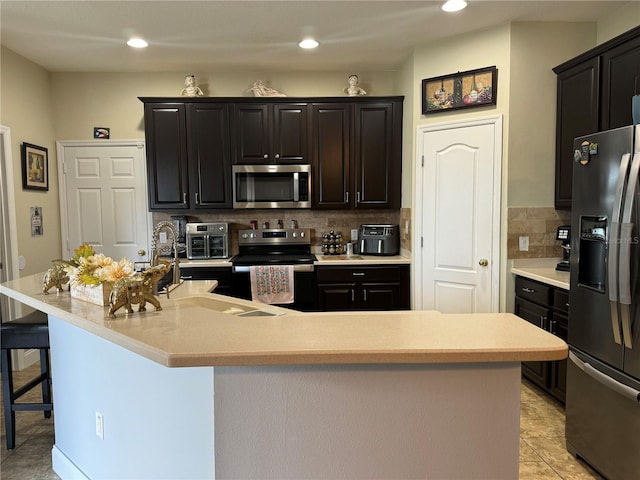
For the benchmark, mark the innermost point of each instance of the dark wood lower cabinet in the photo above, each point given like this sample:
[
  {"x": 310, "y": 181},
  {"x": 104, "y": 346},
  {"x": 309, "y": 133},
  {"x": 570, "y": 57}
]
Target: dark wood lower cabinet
[
  {"x": 546, "y": 307},
  {"x": 221, "y": 274},
  {"x": 368, "y": 287}
]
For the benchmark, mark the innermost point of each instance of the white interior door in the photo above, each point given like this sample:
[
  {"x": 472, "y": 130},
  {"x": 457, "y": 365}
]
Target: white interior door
[
  {"x": 103, "y": 198},
  {"x": 458, "y": 216}
]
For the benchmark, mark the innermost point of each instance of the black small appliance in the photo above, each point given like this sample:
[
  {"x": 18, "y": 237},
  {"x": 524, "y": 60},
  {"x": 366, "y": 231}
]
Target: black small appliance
[{"x": 563, "y": 234}]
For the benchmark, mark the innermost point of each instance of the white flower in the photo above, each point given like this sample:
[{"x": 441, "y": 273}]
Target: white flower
[{"x": 114, "y": 271}]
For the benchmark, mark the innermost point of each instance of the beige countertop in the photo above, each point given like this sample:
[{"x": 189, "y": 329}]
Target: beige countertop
[
  {"x": 190, "y": 332},
  {"x": 543, "y": 270},
  {"x": 322, "y": 260}
]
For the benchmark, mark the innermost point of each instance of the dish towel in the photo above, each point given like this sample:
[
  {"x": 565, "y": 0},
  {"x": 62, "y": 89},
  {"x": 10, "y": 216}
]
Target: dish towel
[{"x": 272, "y": 284}]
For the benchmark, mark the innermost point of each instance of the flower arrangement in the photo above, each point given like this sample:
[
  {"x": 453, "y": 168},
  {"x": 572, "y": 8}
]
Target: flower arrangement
[
  {"x": 90, "y": 268},
  {"x": 92, "y": 275}
]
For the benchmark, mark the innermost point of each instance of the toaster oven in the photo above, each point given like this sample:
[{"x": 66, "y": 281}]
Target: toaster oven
[{"x": 207, "y": 240}]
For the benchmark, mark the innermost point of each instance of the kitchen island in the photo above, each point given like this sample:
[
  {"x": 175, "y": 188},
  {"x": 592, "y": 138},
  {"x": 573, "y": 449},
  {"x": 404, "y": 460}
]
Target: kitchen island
[{"x": 213, "y": 387}]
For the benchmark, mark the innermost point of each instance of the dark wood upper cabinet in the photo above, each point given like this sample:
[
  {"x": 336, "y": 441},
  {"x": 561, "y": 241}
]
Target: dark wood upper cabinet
[
  {"x": 209, "y": 155},
  {"x": 271, "y": 133},
  {"x": 331, "y": 154},
  {"x": 620, "y": 72},
  {"x": 577, "y": 114},
  {"x": 594, "y": 94},
  {"x": 188, "y": 156},
  {"x": 353, "y": 144},
  {"x": 166, "y": 143},
  {"x": 377, "y": 155},
  {"x": 357, "y": 154}
]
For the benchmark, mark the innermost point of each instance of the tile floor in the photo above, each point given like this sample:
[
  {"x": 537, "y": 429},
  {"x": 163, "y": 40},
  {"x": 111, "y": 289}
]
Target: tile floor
[{"x": 542, "y": 449}]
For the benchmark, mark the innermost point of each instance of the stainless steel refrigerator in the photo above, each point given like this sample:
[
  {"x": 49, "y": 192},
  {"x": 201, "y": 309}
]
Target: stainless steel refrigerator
[{"x": 603, "y": 372}]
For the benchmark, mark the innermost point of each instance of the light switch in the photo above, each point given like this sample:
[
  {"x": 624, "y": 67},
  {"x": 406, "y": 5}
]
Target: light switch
[{"x": 523, "y": 243}]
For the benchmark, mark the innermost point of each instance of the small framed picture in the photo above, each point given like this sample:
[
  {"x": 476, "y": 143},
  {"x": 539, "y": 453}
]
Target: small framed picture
[
  {"x": 35, "y": 167},
  {"x": 101, "y": 132},
  {"x": 456, "y": 91}
]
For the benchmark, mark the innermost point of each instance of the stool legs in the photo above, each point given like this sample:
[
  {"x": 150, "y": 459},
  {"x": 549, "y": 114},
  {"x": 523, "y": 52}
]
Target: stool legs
[
  {"x": 7, "y": 399},
  {"x": 9, "y": 395}
]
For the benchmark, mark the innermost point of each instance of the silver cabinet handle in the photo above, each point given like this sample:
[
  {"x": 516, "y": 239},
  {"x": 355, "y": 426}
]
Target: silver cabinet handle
[
  {"x": 552, "y": 326},
  {"x": 265, "y": 156},
  {"x": 353, "y": 295},
  {"x": 277, "y": 156},
  {"x": 197, "y": 199},
  {"x": 364, "y": 292},
  {"x": 357, "y": 197},
  {"x": 358, "y": 274},
  {"x": 346, "y": 197},
  {"x": 184, "y": 198},
  {"x": 528, "y": 290}
]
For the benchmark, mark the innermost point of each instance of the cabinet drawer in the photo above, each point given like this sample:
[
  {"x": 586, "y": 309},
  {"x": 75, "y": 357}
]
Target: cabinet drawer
[
  {"x": 533, "y": 291},
  {"x": 561, "y": 300},
  {"x": 390, "y": 274}
]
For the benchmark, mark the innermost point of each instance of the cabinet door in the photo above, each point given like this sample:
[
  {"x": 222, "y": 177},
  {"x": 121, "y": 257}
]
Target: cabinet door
[
  {"x": 559, "y": 326},
  {"x": 290, "y": 134},
  {"x": 377, "y": 156},
  {"x": 577, "y": 114},
  {"x": 167, "y": 173},
  {"x": 330, "y": 127},
  {"x": 620, "y": 72},
  {"x": 251, "y": 133},
  {"x": 340, "y": 297},
  {"x": 536, "y": 371},
  {"x": 210, "y": 155},
  {"x": 380, "y": 296}
]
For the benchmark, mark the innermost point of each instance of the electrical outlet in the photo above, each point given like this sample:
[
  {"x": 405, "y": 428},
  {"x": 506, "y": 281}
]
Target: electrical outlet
[
  {"x": 163, "y": 237},
  {"x": 354, "y": 234},
  {"x": 523, "y": 243},
  {"x": 99, "y": 425}
]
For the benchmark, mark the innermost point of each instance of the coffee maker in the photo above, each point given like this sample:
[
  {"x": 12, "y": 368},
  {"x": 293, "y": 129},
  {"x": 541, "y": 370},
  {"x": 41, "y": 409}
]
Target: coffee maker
[{"x": 563, "y": 234}]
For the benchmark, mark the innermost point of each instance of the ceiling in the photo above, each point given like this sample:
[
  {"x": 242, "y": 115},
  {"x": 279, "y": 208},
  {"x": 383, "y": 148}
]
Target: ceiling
[{"x": 360, "y": 35}]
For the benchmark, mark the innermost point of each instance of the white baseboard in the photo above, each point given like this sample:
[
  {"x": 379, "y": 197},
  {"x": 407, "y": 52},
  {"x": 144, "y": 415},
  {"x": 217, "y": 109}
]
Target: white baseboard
[{"x": 64, "y": 467}]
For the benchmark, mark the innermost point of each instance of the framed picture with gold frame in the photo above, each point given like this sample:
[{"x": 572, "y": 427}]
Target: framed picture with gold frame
[
  {"x": 35, "y": 167},
  {"x": 473, "y": 88}
]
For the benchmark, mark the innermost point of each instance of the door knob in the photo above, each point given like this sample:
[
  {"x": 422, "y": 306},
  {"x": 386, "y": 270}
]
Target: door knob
[
  {"x": 141, "y": 252},
  {"x": 483, "y": 262}
]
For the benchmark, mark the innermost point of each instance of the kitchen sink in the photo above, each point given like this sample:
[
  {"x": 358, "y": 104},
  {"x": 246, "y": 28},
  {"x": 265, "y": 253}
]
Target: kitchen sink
[{"x": 231, "y": 308}]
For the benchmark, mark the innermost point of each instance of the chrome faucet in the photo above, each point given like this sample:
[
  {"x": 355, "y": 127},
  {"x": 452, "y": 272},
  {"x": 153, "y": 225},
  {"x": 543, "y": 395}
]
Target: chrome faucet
[{"x": 155, "y": 255}]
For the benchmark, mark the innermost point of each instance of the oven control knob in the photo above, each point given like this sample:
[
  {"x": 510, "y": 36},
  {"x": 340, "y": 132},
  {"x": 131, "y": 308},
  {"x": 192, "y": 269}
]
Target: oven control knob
[
  {"x": 294, "y": 234},
  {"x": 253, "y": 235},
  {"x": 301, "y": 234},
  {"x": 245, "y": 235}
]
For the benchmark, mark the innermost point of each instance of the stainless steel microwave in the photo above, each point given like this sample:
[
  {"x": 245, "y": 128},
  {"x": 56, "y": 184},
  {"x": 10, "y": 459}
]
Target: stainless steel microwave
[{"x": 271, "y": 186}]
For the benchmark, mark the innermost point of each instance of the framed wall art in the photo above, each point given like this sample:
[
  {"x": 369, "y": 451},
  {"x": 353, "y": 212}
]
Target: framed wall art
[
  {"x": 473, "y": 88},
  {"x": 35, "y": 167}
]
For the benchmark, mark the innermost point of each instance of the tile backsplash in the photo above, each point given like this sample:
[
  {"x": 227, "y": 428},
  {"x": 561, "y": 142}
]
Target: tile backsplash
[
  {"x": 319, "y": 221},
  {"x": 540, "y": 225}
]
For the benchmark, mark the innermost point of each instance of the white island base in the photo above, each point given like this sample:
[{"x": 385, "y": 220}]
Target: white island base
[{"x": 395, "y": 421}]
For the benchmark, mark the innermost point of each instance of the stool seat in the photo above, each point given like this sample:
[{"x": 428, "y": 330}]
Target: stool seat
[{"x": 30, "y": 331}]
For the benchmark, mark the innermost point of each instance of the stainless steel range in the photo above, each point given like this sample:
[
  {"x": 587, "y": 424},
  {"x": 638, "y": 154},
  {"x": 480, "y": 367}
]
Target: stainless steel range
[{"x": 276, "y": 246}]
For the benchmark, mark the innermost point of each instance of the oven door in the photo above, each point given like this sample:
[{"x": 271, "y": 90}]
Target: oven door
[
  {"x": 304, "y": 287},
  {"x": 196, "y": 247}
]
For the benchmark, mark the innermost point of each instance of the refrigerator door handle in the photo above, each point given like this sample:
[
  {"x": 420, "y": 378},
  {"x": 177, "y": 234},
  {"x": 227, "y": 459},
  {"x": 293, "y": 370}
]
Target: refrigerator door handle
[
  {"x": 612, "y": 384},
  {"x": 626, "y": 230},
  {"x": 614, "y": 241}
]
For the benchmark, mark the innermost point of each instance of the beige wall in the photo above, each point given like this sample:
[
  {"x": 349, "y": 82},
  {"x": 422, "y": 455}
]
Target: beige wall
[
  {"x": 619, "y": 21},
  {"x": 86, "y": 100},
  {"x": 25, "y": 96},
  {"x": 536, "y": 48}
]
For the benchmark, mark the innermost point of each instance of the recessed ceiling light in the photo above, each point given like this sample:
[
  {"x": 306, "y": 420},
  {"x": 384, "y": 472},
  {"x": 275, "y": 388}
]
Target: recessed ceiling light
[
  {"x": 137, "y": 43},
  {"x": 454, "y": 5},
  {"x": 308, "y": 43}
]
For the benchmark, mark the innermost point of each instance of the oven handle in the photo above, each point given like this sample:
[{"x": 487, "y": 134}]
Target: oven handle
[{"x": 296, "y": 268}]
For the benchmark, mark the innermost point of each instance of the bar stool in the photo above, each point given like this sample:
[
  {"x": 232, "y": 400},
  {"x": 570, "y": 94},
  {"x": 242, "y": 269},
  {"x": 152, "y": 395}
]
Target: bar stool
[{"x": 30, "y": 331}]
